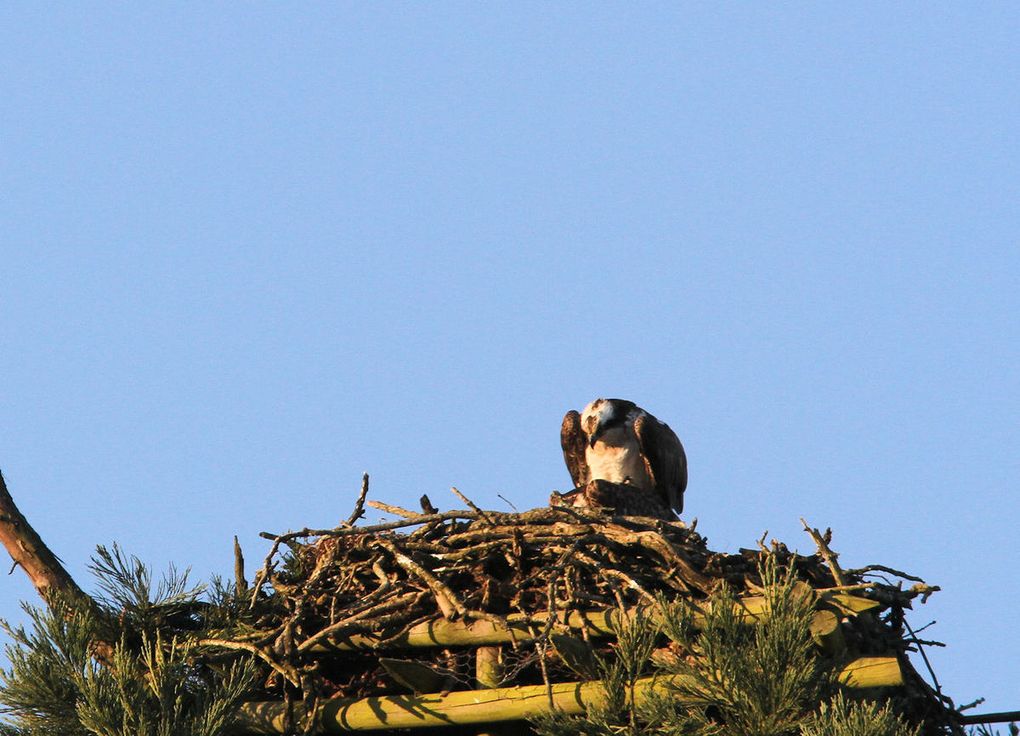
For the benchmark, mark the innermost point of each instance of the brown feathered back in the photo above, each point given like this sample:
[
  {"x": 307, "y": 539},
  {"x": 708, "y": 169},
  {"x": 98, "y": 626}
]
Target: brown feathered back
[
  {"x": 664, "y": 458},
  {"x": 574, "y": 442}
]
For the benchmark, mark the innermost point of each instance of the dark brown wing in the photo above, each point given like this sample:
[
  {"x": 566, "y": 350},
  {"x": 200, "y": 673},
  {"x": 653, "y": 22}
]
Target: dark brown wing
[
  {"x": 665, "y": 459},
  {"x": 573, "y": 440}
]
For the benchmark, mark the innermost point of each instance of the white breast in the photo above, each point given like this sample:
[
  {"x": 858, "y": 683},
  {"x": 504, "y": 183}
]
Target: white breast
[{"x": 617, "y": 458}]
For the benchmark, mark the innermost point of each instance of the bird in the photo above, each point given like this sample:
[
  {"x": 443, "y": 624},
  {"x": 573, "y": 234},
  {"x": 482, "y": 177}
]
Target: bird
[{"x": 641, "y": 459}]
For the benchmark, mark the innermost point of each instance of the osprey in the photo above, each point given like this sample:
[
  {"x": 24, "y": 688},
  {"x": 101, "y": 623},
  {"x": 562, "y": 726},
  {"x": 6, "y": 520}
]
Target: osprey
[{"x": 617, "y": 441}]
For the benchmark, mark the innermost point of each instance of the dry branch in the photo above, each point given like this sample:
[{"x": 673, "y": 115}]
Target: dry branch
[
  {"x": 825, "y": 552},
  {"x": 31, "y": 554},
  {"x": 53, "y": 583},
  {"x": 359, "y": 505}
]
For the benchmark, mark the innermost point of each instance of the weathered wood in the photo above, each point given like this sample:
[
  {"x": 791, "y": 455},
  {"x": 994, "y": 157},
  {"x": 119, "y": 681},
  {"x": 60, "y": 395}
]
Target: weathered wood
[
  {"x": 31, "y": 554},
  {"x": 872, "y": 672},
  {"x": 44, "y": 569},
  {"x": 489, "y": 666},
  {"x": 826, "y": 632},
  {"x": 496, "y": 705},
  {"x": 240, "y": 583},
  {"x": 822, "y": 540},
  {"x": 444, "y": 632},
  {"x": 851, "y": 604},
  {"x": 417, "y": 677}
]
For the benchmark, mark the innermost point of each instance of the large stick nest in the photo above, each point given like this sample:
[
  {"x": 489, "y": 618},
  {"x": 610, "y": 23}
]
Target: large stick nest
[{"x": 320, "y": 590}]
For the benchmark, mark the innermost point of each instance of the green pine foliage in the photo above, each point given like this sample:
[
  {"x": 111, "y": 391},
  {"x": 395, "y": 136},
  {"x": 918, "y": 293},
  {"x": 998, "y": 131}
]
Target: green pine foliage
[
  {"x": 760, "y": 679},
  {"x": 840, "y": 717},
  {"x": 39, "y": 690},
  {"x": 985, "y": 730},
  {"x": 150, "y": 683},
  {"x": 726, "y": 679}
]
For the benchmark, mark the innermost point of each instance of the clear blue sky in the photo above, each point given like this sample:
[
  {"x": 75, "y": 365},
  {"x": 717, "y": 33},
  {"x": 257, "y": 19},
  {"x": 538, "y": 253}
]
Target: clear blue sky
[{"x": 249, "y": 252}]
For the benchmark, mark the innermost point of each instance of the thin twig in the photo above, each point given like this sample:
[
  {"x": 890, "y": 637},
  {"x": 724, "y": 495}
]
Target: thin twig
[
  {"x": 405, "y": 602},
  {"x": 240, "y": 584},
  {"x": 927, "y": 663},
  {"x": 472, "y": 506},
  {"x": 447, "y": 600},
  {"x": 608, "y": 572},
  {"x": 359, "y": 506},
  {"x": 528, "y": 517},
  {"x": 883, "y": 568},
  {"x": 288, "y": 673},
  {"x": 346, "y": 531},
  {"x": 396, "y": 510},
  {"x": 826, "y": 552}
]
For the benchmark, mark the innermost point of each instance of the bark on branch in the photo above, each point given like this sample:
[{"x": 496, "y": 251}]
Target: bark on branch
[{"x": 31, "y": 554}]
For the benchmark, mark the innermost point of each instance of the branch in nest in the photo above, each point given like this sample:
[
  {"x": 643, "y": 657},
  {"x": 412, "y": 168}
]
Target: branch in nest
[
  {"x": 286, "y": 671},
  {"x": 359, "y": 506},
  {"x": 609, "y": 572},
  {"x": 883, "y": 568},
  {"x": 446, "y": 599},
  {"x": 395, "y": 510},
  {"x": 240, "y": 584},
  {"x": 364, "y": 619},
  {"x": 823, "y": 549},
  {"x": 472, "y": 506}
]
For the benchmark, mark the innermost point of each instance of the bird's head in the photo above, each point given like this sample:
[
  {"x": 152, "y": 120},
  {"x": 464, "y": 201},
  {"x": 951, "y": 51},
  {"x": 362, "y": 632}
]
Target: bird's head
[{"x": 602, "y": 415}]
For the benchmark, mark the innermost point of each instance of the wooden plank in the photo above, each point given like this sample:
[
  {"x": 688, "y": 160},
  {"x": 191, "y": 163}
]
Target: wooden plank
[
  {"x": 872, "y": 672},
  {"x": 489, "y": 666},
  {"x": 826, "y": 632},
  {"x": 850, "y": 604},
  {"x": 497, "y": 705}
]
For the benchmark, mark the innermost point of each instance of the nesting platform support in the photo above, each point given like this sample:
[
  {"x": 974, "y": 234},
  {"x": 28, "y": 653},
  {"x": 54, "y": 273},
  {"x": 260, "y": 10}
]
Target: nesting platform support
[
  {"x": 494, "y": 705},
  {"x": 443, "y": 632},
  {"x": 490, "y": 705}
]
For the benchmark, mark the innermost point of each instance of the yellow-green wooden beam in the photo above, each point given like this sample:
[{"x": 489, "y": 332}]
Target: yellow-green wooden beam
[{"x": 497, "y": 705}]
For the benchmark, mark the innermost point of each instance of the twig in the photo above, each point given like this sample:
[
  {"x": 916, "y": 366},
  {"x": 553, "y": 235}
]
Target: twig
[
  {"x": 240, "y": 584},
  {"x": 345, "y": 531},
  {"x": 405, "y": 602},
  {"x": 397, "y": 510},
  {"x": 359, "y": 506},
  {"x": 927, "y": 664},
  {"x": 288, "y": 673},
  {"x": 263, "y": 574},
  {"x": 826, "y": 552},
  {"x": 608, "y": 572},
  {"x": 926, "y": 642},
  {"x": 472, "y": 506},
  {"x": 542, "y": 644},
  {"x": 447, "y": 600},
  {"x": 883, "y": 568},
  {"x": 528, "y": 517},
  {"x": 848, "y": 588}
]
